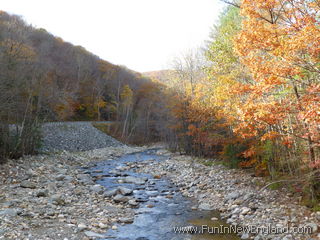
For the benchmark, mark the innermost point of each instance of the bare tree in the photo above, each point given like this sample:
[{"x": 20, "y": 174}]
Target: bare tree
[{"x": 189, "y": 68}]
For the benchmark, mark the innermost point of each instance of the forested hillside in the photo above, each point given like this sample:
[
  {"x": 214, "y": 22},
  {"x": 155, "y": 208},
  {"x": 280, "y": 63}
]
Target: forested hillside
[{"x": 44, "y": 78}]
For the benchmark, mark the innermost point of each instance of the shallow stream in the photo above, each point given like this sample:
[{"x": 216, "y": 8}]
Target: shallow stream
[{"x": 161, "y": 209}]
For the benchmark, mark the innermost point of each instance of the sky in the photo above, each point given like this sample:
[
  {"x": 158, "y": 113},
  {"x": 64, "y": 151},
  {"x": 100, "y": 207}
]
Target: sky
[{"x": 142, "y": 35}]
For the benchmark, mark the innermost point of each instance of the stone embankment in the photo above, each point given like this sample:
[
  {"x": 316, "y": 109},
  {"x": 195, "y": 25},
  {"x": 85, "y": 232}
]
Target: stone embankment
[{"x": 74, "y": 137}]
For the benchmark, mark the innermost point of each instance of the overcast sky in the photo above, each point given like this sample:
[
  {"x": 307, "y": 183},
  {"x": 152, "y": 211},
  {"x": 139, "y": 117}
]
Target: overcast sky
[{"x": 140, "y": 34}]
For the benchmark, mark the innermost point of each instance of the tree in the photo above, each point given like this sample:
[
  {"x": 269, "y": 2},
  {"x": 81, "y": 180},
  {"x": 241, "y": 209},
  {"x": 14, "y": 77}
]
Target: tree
[
  {"x": 126, "y": 104},
  {"x": 279, "y": 45}
]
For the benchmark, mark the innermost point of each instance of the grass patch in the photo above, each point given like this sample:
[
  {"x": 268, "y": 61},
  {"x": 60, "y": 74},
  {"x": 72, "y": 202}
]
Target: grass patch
[
  {"x": 107, "y": 128},
  {"x": 275, "y": 186},
  {"x": 103, "y": 127}
]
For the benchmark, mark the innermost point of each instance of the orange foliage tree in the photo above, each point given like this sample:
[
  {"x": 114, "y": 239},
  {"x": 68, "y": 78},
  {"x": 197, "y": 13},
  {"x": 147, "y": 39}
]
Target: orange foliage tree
[{"x": 279, "y": 45}]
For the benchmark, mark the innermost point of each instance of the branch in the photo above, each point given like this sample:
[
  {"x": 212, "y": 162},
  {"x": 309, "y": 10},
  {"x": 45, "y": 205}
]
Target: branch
[
  {"x": 231, "y": 3},
  {"x": 279, "y": 181}
]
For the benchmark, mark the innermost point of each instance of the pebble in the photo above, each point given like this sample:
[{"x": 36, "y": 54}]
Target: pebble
[{"x": 28, "y": 184}]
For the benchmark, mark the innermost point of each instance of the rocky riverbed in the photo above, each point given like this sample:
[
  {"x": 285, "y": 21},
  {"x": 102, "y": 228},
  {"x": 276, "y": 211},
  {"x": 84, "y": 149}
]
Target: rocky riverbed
[
  {"x": 239, "y": 197},
  {"x": 160, "y": 210},
  {"x": 51, "y": 197},
  {"x": 57, "y": 195}
]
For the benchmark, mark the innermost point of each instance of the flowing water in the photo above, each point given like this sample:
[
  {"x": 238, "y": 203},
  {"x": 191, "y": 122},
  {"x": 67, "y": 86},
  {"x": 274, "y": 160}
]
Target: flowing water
[{"x": 162, "y": 208}]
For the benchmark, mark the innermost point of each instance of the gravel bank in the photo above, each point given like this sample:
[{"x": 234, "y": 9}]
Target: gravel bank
[
  {"x": 74, "y": 137},
  {"x": 50, "y": 197},
  {"x": 238, "y": 197}
]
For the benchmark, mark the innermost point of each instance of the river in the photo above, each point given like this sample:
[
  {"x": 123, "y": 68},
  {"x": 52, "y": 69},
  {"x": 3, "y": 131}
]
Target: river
[{"x": 162, "y": 211}]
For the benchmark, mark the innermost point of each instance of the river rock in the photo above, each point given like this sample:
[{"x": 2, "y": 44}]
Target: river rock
[
  {"x": 133, "y": 202},
  {"x": 245, "y": 210},
  {"x": 115, "y": 173},
  {"x": 205, "y": 206},
  {"x": 135, "y": 180},
  {"x": 57, "y": 200},
  {"x": 28, "y": 184},
  {"x": 313, "y": 226},
  {"x": 110, "y": 193},
  {"x": 60, "y": 177},
  {"x": 245, "y": 236},
  {"x": 12, "y": 212},
  {"x": 103, "y": 226},
  {"x": 126, "y": 220},
  {"x": 258, "y": 237},
  {"x": 31, "y": 173},
  {"x": 85, "y": 179},
  {"x": 93, "y": 234},
  {"x": 97, "y": 188},
  {"x": 82, "y": 226},
  {"x": 42, "y": 193},
  {"x": 125, "y": 191},
  {"x": 142, "y": 198},
  {"x": 120, "y": 198},
  {"x": 232, "y": 196},
  {"x": 152, "y": 193}
]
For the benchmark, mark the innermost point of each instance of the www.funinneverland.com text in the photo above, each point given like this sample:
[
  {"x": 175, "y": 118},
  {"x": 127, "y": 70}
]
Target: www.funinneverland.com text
[{"x": 251, "y": 229}]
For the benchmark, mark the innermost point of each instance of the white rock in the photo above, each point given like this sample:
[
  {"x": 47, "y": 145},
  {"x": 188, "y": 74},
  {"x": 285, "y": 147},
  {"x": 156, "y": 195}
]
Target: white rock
[
  {"x": 103, "y": 226},
  {"x": 82, "y": 226},
  {"x": 245, "y": 210}
]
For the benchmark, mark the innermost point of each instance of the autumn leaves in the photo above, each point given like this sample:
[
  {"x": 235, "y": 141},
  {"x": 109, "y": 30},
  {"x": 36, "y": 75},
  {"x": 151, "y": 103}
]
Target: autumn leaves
[{"x": 262, "y": 89}]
